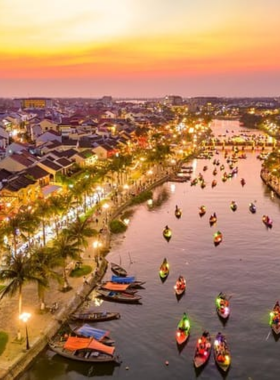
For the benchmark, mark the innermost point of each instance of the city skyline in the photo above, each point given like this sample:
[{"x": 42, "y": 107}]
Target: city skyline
[{"x": 139, "y": 48}]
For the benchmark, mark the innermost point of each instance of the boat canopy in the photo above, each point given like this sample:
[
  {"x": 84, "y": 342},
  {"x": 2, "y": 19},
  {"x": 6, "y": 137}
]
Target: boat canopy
[
  {"x": 112, "y": 286},
  {"x": 123, "y": 280},
  {"x": 89, "y": 331},
  {"x": 74, "y": 343}
]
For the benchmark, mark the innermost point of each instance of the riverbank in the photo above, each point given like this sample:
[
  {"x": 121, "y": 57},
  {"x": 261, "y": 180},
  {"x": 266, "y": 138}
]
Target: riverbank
[
  {"x": 271, "y": 181},
  {"x": 44, "y": 325}
]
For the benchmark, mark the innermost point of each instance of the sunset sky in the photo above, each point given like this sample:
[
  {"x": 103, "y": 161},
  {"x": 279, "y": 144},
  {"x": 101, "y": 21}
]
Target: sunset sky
[{"x": 139, "y": 48}]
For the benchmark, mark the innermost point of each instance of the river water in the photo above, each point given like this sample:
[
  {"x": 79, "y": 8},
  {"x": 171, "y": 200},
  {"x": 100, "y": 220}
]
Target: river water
[{"x": 245, "y": 266}]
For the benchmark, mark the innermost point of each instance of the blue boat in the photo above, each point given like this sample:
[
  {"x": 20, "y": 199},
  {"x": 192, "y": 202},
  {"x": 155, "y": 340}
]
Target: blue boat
[
  {"x": 129, "y": 280},
  {"x": 88, "y": 331}
]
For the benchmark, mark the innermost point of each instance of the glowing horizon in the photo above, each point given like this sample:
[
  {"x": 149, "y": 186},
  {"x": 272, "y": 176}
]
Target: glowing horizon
[{"x": 161, "y": 46}]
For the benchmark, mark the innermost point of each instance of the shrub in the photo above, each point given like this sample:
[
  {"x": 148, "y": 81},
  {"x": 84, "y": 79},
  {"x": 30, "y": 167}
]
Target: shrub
[
  {"x": 81, "y": 271},
  {"x": 117, "y": 226},
  {"x": 4, "y": 337}
]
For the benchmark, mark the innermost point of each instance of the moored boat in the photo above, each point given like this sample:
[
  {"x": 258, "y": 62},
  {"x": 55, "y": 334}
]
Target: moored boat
[
  {"x": 93, "y": 316},
  {"x": 252, "y": 208},
  {"x": 180, "y": 286},
  {"x": 167, "y": 233},
  {"x": 202, "y": 350},
  {"x": 243, "y": 182},
  {"x": 202, "y": 210},
  {"x": 109, "y": 285},
  {"x": 222, "y": 305},
  {"x": 122, "y": 297},
  {"x": 215, "y": 171},
  {"x": 178, "y": 212},
  {"x": 221, "y": 352},
  {"x": 88, "y": 331},
  {"x": 164, "y": 269},
  {"x": 274, "y": 320},
  {"x": 85, "y": 350},
  {"x": 118, "y": 270},
  {"x": 183, "y": 330},
  {"x": 127, "y": 280},
  {"x": 218, "y": 237},
  {"x": 267, "y": 221}
]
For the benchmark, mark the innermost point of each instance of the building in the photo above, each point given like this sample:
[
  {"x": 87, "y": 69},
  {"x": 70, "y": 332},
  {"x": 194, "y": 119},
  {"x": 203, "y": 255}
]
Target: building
[{"x": 33, "y": 103}]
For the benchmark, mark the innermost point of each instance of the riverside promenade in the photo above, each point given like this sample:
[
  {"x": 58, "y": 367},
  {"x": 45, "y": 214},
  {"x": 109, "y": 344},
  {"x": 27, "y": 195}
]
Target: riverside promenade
[{"x": 43, "y": 325}]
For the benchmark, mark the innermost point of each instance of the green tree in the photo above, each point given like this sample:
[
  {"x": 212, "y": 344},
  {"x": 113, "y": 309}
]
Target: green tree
[
  {"x": 45, "y": 261},
  {"x": 18, "y": 272},
  {"x": 65, "y": 247}
]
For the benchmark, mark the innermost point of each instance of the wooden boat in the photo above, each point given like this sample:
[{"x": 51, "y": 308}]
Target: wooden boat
[
  {"x": 218, "y": 237},
  {"x": 203, "y": 184},
  {"x": 221, "y": 352},
  {"x": 202, "y": 210},
  {"x": 205, "y": 168},
  {"x": 122, "y": 297},
  {"x": 88, "y": 331},
  {"x": 233, "y": 206},
  {"x": 118, "y": 270},
  {"x": 178, "y": 212},
  {"x": 93, "y": 316},
  {"x": 212, "y": 219},
  {"x": 164, "y": 269},
  {"x": 127, "y": 280},
  {"x": 167, "y": 233},
  {"x": 109, "y": 285},
  {"x": 202, "y": 350},
  {"x": 275, "y": 318},
  {"x": 214, "y": 183},
  {"x": 267, "y": 221},
  {"x": 183, "y": 330},
  {"x": 215, "y": 171},
  {"x": 84, "y": 350},
  {"x": 243, "y": 182},
  {"x": 222, "y": 305},
  {"x": 180, "y": 286},
  {"x": 252, "y": 208}
]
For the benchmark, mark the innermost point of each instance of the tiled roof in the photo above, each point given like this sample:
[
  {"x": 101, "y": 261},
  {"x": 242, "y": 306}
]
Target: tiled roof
[
  {"x": 23, "y": 159},
  {"x": 64, "y": 162},
  {"x": 36, "y": 172},
  {"x": 52, "y": 165},
  {"x": 18, "y": 183}
]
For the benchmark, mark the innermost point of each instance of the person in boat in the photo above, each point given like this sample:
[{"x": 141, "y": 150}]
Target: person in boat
[{"x": 277, "y": 307}]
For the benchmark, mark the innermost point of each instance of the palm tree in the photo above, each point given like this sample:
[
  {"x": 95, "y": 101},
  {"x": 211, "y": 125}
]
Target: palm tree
[
  {"x": 13, "y": 227},
  {"x": 18, "y": 272},
  {"x": 58, "y": 207},
  {"x": 64, "y": 247},
  {"x": 29, "y": 223},
  {"x": 43, "y": 212},
  {"x": 45, "y": 261},
  {"x": 79, "y": 231}
]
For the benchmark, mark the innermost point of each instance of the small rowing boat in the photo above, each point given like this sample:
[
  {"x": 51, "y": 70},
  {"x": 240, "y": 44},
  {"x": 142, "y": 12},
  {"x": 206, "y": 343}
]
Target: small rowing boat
[
  {"x": 218, "y": 237},
  {"x": 222, "y": 305},
  {"x": 202, "y": 350},
  {"x": 90, "y": 315},
  {"x": 84, "y": 350},
  {"x": 178, "y": 212},
  {"x": 233, "y": 206},
  {"x": 122, "y": 297},
  {"x": 167, "y": 233},
  {"x": 202, "y": 210},
  {"x": 221, "y": 352},
  {"x": 275, "y": 318},
  {"x": 164, "y": 269},
  {"x": 213, "y": 219},
  {"x": 267, "y": 221},
  {"x": 180, "y": 286},
  {"x": 118, "y": 270},
  {"x": 252, "y": 208},
  {"x": 183, "y": 330}
]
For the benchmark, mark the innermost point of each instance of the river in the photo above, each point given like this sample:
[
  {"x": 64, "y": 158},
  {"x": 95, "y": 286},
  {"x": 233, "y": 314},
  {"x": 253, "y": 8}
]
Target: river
[{"x": 245, "y": 266}]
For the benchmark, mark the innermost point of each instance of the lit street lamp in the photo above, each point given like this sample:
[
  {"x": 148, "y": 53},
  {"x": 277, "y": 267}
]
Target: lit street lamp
[{"x": 25, "y": 317}]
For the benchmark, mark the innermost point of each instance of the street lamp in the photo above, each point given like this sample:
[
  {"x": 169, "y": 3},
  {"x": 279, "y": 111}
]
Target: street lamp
[
  {"x": 96, "y": 245},
  {"x": 25, "y": 317}
]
